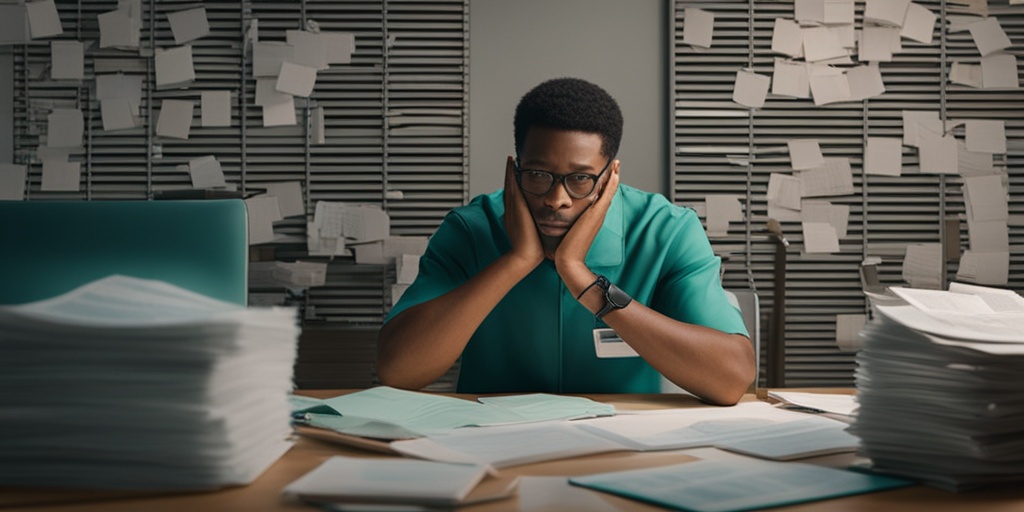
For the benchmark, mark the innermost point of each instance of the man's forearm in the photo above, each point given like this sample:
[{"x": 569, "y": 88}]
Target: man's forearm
[
  {"x": 709, "y": 363},
  {"x": 419, "y": 344}
]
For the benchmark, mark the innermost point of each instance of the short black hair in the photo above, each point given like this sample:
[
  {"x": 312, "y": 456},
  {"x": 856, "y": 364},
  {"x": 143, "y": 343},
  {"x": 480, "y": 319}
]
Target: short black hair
[{"x": 570, "y": 104}]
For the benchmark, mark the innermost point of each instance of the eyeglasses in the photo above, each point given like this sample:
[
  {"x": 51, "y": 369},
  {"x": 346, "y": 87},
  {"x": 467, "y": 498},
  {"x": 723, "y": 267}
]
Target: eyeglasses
[{"x": 578, "y": 184}]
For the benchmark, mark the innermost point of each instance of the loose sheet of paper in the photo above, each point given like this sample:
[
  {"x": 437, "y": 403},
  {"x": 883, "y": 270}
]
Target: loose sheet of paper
[
  {"x": 750, "y": 89},
  {"x": 805, "y": 154},
  {"x": 215, "y": 108},
  {"x": 174, "y": 67},
  {"x": 698, "y": 27},
  {"x": 883, "y": 156},
  {"x": 12, "y": 182},
  {"x": 188, "y": 25},
  {"x": 175, "y": 118},
  {"x": 67, "y": 60}
]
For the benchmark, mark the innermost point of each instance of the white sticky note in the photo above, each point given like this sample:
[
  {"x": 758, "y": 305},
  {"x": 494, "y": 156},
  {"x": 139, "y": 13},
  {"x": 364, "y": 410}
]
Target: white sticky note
[
  {"x": 67, "y": 60},
  {"x": 64, "y": 127},
  {"x": 875, "y": 44},
  {"x": 116, "y": 29},
  {"x": 206, "y": 172},
  {"x": 188, "y": 25},
  {"x": 919, "y": 23},
  {"x": 280, "y": 114},
  {"x": 175, "y": 118},
  {"x": 784, "y": 191},
  {"x": 886, "y": 12},
  {"x": 339, "y": 47},
  {"x": 820, "y": 44},
  {"x": 848, "y": 329},
  {"x": 310, "y": 49},
  {"x": 43, "y": 19},
  {"x": 914, "y": 121},
  {"x": 966, "y": 74},
  {"x": 937, "y": 154},
  {"x": 787, "y": 38},
  {"x": 789, "y": 78},
  {"x": 698, "y": 27},
  {"x": 835, "y": 178},
  {"x": 215, "y": 108},
  {"x": 262, "y": 213},
  {"x": 973, "y": 164},
  {"x": 991, "y": 268},
  {"x": 117, "y": 114},
  {"x": 174, "y": 67},
  {"x": 289, "y": 197},
  {"x": 819, "y": 237},
  {"x": 268, "y": 56},
  {"x": 865, "y": 82},
  {"x": 750, "y": 89},
  {"x": 809, "y": 12},
  {"x": 296, "y": 80},
  {"x": 989, "y": 36},
  {"x": 828, "y": 85},
  {"x": 61, "y": 176},
  {"x": 12, "y": 182},
  {"x": 985, "y": 136},
  {"x": 986, "y": 198},
  {"x": 267, "y": 93},
  {"x": 805, "y": 154},
  {"x": 836, "y": 12},
  {"x": 815, "y": 210},
  {"x": 13, "y": 24},
  {"x": 999, "y": 71},
  {"x": 883, "y": 156}
]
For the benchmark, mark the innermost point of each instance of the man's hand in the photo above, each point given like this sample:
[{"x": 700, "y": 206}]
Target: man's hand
[
  {"x": 522, "y": 231},
  {"x": 570, "y": 258}
]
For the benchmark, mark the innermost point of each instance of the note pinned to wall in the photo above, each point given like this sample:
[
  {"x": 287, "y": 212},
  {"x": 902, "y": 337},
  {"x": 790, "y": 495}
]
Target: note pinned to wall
[
  {"x": 116, "y": 30},
  {"x": 67, "y": 60},
  {"x": 174, "y": 67},
  {"x": 848, "y": 329},
  {"x": 784, "y": 191},
  {"x": 787, "y": 38},
  {"x": 835, "y": 178},
  {"x": 14, "y": 24},
  {"x": 986, "y": 198},
  {"x": 175, "y": 118},
  {"x": 937, "y": 153},
  {"x": 919, "y": 23},
  {"x": 886, "y": 12},
  {"x": 721, "y": 209},
  {"x": 819, "y": 237},
  {"x": 918, "y": 120},
  {"x": 989, "y": 36},
  {"x": 206, "y": 172},
  {"x": 188, "y": 25},
  {"x": 296, "y": 80},
  {"x": 310, "y": 49},
  {"x": 262, "y": 212},
  {"x": 817, "y": 210},
  {"x": 991, "y": 268},
  {"x": 805, "y": 154},
  {"x": 883, "y": 156},
  {"x": 985, "y": 136},
  {"x": 116, "y": 114},
  {"x": 828, "y": 84},
  {"x": 215, "y": 108},
  {"x": 698, "y": 27},
  {"x": 809, "y": 12},
  {"x": 61, "y": 176},
  {"x": 64, "y": 128},
  {"x": 922, "y": 266},
  {"x": 966, "y": 74},
  {"x": 750, "y": 89},
  {"x": 339, "y": 46},
  {"x": 789, "y": 78},
  {"x": 865, "y": 82},
  {"x": 838, "y": 12},
  {"x": 999, "y": 71},
  {"x": 12, "y": 182},
  {"x": 289, "y": 197},
  {"x": 268, "y": 56},
  {"x": 43, "y": 19},
  {"x": 821, "y": 43},
  {"x": 970, "y": 163}
]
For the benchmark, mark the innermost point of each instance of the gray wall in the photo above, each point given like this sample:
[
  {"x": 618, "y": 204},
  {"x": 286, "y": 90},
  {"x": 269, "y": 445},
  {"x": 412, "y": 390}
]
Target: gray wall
[{"x": 617, "y": 44}]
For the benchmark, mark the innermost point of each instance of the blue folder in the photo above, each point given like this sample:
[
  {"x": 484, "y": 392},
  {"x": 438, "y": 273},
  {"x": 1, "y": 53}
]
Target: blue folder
[{"x": 50, "y": 247}]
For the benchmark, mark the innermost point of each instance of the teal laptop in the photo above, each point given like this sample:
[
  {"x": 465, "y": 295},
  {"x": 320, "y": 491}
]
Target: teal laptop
[{"x": 50, "y": 247}]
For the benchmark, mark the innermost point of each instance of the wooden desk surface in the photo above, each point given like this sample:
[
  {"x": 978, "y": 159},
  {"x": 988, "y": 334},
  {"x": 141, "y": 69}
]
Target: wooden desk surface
[{"x": 265, "y": 493}]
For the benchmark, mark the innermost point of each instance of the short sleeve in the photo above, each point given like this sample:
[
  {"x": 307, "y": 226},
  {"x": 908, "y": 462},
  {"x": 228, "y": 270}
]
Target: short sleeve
[
  {"x": 446, "y": 264},
  {"x": 690, "y": 289}
]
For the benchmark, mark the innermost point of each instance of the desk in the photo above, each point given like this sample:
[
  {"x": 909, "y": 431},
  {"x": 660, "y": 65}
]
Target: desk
[{"x": 264, "y": 493}]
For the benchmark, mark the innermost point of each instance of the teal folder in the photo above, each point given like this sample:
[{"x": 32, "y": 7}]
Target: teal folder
[
  {"x": 50, "y": 247},
  {"x": 736, "y": 485}
]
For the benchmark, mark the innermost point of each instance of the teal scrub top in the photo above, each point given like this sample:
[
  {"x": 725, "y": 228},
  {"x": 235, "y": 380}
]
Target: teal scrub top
[{"x": 539, "y": 338}]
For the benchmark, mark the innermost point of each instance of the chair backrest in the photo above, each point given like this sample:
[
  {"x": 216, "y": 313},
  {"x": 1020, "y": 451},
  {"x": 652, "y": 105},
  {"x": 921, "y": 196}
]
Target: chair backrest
[
  {"x": 747, "y": 302},
  {"x": 50, "y": 247}
]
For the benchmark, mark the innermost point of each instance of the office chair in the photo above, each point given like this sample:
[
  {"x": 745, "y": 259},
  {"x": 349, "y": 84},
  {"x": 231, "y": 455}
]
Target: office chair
[
  {"x": 50, "y": 247},
  {"x": 747, "y": 302}
]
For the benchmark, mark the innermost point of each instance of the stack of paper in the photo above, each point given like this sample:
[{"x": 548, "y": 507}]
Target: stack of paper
[
  {"x": 941, "y": 387},
  {"x": 137, "y": 384}
]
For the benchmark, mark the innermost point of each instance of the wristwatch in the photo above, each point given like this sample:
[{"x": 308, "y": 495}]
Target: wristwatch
[{"x": 614, "y": 297}]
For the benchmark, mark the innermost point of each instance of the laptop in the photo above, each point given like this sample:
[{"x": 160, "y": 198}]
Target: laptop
[{"x": 50, "y": 247}]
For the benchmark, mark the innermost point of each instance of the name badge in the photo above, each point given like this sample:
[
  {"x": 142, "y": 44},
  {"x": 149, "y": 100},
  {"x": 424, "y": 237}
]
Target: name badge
[{"x": 608, "y": 344}]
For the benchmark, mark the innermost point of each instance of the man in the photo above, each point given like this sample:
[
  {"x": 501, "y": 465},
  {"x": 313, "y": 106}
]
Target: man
[{"x": 517, "y": 281}]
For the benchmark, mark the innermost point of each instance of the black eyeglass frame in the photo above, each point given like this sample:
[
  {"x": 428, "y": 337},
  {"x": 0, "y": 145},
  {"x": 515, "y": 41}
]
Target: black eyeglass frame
[{"x": 560, "y": 178}]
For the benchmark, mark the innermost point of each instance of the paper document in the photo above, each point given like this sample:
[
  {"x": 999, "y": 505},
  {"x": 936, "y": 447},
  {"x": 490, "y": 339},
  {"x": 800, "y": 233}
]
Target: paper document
[
  {"x": 822, "y": 402},
  {"x": 343, "y": 479},
  {"x": 698, "y": 27},
  {"x": 734, "y": 485}
]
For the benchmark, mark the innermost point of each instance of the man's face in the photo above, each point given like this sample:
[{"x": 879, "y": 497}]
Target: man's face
[{"x": 560, "y": 152}]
